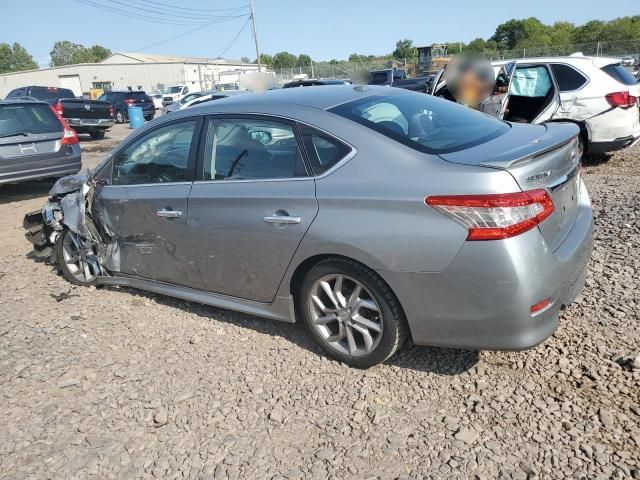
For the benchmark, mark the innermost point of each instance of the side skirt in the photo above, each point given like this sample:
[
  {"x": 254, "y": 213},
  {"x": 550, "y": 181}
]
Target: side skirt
[{"x": 280, "y": 309}]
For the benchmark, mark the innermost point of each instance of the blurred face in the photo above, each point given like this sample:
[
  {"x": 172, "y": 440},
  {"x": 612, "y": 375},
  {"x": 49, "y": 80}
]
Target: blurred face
[{"x": 470, "y": 79}]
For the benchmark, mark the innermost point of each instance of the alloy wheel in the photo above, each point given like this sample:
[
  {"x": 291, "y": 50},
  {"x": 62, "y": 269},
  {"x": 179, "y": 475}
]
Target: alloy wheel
[
  {"x": 345, "y": 314},
  {"x": 80, "y": 257}
]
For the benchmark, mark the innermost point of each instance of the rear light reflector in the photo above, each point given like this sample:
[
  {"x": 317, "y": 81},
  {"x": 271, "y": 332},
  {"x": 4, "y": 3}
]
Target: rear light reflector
[
  {"x": 495, "y": 216},
  {"x": 621, "y": 99},
  {"x": 540, "y": 305},
  {"x": 69, "y": 136},
  {"x": 129, "y": 101}
]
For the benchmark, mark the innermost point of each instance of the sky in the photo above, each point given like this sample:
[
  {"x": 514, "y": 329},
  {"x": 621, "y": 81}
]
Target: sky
[{"x": 324, "y": 29}]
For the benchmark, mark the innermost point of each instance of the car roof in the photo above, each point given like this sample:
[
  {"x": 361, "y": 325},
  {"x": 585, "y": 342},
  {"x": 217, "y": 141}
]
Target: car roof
[
  {"x": 126, "y": 91},
  {"x": 575, "y": 59},
  {"x": 320, "y": 98},
  {"x": 22, "y": 101}
]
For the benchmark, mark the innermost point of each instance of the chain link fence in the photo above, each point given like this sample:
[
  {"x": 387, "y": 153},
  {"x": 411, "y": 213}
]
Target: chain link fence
[{"x": 346, "y": 70}]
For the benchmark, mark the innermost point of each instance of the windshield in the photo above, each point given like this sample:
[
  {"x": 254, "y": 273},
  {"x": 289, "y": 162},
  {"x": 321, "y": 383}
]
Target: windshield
[
  {"x": 423, "y": 122},
  {"x": 176, "y": 89},
  {"x": 28, "y": 119}
]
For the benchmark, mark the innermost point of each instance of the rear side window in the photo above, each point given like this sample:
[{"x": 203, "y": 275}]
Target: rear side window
[
  {"x": 620, "y": 73},
  {"x": 568, "y": 78},
  {"x": 28, "y": 118},
  {"x": 423, "y": 122},
  {"x": 379, "y": 78},
  {"x": 324, "y": 151}
]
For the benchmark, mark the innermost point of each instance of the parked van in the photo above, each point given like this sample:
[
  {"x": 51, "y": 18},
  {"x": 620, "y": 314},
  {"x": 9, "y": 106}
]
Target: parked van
[{"x": 174, "y": 93}]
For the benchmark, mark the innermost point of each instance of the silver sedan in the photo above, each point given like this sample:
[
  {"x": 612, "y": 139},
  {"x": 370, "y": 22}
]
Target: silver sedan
[{"x": 373, "y": 215}]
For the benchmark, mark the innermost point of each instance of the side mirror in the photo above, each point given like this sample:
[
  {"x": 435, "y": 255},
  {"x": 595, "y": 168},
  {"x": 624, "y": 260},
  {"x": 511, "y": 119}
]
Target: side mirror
[{"x": 262, "y": 136}]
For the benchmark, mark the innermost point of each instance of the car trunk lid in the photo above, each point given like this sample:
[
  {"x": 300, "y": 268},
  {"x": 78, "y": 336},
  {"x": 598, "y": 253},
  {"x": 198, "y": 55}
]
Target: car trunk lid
[{"x": 540, "y": 156}]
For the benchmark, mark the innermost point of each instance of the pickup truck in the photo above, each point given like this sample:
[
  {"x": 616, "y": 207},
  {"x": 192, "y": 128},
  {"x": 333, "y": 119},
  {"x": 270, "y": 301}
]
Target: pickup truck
[
  {"x": 398, "y": 78},
  {"x": 84, "y": 116}
]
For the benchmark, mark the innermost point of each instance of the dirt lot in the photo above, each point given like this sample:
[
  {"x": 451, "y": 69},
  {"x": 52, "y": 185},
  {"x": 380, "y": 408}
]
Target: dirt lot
[{"x": 115, "y": 383}]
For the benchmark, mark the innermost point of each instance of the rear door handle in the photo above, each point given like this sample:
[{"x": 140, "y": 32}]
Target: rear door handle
[
  {"x": 169, "y": 213},
  {"x": 282, "y": 220}
]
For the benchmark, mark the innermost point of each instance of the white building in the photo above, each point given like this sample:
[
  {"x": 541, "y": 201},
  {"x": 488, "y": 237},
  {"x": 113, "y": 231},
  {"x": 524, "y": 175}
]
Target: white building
[{"x": 138, "y": 71}]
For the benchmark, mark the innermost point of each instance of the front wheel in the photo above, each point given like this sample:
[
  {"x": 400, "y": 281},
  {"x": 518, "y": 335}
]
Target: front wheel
[
  {"x": 77, "y": 258},
  {"x": 351, "y": 312}
]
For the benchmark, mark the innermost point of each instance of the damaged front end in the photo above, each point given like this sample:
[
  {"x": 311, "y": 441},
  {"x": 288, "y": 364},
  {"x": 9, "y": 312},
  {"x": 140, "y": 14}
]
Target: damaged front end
[{"x": 67, "y": 209}]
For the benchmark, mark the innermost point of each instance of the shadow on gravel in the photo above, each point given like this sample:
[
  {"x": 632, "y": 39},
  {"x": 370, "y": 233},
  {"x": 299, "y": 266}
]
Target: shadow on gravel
[
  {"x": 440, "y": 361},
  {"x": 17, "y": 192},
  {"x": 593, "y": 160}
]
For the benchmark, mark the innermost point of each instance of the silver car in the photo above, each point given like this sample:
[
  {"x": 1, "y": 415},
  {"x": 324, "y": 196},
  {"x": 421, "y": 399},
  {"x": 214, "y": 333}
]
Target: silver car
[
  {"x": 35, "y": 142},
  {"x": 373, "y": 215}
]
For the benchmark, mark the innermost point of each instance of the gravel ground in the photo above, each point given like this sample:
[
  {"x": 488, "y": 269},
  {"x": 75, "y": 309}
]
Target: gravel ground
[{"x": 116, "y": 383}]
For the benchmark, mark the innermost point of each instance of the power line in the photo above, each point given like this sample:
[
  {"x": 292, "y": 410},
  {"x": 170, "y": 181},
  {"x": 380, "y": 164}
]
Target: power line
[
  {"x": 164, "y": 21},
  {"x": 182, "y": 34},
  {"x": 230, "y": 44},
  {"x": 157, "y": 11},
  {"x": 193, "y": 9}
]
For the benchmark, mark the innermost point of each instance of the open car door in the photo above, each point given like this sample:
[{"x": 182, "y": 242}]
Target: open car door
[{"x": 496, "y": 104}]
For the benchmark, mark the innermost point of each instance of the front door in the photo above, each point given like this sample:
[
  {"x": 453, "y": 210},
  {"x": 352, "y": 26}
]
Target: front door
[
  {"x": 496, "y": 104},
  {"x": 144, "y": 206},
  {"x": 252, "y": 206}
]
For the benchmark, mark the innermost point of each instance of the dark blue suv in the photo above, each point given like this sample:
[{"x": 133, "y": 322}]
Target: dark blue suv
[{"x": 123, "y": 99}]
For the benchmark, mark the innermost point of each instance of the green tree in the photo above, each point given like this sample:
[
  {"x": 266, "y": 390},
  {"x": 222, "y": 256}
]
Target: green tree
[
  {"x": 265, "y": 59},
  {"x": 245, "y": 60},
  {"x": 15, "y": 58},
  {"x": 99, "y": 53},
  {"x": 68, "y": 53},
  {"x": 304, "y": 60},
  {"x": 405, "y": 49},
  {"x": 477, "y": 45},
  {"x": 284, "y": 60}
]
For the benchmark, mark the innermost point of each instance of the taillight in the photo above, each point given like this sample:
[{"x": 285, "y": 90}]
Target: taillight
[
  {"x": 496, "y": 216},
  {"x": 58, "y": 108},
  {"x": 621, "y": 99},
  {"x": 111, "y": 111},
  {"x": 129, "y": 101},
  {"x": 69, "y": 136}
]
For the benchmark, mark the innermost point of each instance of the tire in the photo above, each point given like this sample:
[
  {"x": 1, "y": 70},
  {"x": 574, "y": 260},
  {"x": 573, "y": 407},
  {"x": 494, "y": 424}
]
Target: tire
[
  {"x": 73, "y": 271},
  {"x": 148, "y": 118},
  {"x": 120, "y": 117},
  {"x": 97, "y": 134},
  {"x": 375, "y": 309},
  {"x": 582, "y": 144}
]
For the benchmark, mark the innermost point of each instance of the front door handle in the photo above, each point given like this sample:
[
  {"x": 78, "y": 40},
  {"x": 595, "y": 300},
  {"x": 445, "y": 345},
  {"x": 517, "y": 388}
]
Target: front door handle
[
  {"x": 165, "y": 213},
  {"x": 282, "y": 220}
]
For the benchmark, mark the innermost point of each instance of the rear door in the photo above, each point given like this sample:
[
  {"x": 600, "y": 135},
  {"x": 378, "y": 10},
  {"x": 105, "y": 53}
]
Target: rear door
[
  {"x": 577, "y": 99},
  {"x": 253, "y": 203},
  {"x": 144, "y": 206}
]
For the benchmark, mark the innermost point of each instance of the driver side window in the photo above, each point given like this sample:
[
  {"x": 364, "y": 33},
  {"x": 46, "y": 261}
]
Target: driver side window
[{"x": 160, "y": 156}]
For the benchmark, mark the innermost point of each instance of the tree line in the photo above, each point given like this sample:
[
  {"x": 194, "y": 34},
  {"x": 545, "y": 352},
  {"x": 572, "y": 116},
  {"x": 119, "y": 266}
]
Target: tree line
[
  {"x": 15, "y": 58},
  {"x": 511, "y": 35}
]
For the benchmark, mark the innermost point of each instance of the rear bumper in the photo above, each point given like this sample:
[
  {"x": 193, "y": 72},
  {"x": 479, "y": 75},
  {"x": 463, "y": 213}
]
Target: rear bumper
[
  {"x": 483, "y": 299},
  {"x": 613, "y": 145},
  {"x": 90, "y": 122},
  {"x": 33, "y": 169}
]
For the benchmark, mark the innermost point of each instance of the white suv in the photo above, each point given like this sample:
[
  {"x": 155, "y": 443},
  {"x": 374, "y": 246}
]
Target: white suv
[{"x": 599, "y": 94}]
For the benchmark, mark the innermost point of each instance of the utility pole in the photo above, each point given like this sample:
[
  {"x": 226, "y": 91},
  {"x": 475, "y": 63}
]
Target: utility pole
[{"x": 255, "y": 34}]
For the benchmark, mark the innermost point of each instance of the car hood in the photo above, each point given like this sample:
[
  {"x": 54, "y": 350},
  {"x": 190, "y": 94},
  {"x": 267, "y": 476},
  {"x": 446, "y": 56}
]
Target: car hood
[{"x": 68, "y": 184}]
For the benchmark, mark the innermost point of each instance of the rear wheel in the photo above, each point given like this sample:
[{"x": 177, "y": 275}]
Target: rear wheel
[
  {"x": 351, "y": 312},
  {"x": 97, "y": 134},
  {"x": 120, "y": 118},
  {"x": 77, "y": 258}
]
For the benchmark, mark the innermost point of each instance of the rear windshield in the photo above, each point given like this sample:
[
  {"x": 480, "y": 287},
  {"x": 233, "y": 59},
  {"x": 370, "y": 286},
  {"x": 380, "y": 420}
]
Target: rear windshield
[
  {"x": 29, "y": 119},
  {"x": 46, "y": 93},
  {"x": 618, "y": 72},
  {"x": 137, "y": 95},
  {"x": 423, "y": 122}
]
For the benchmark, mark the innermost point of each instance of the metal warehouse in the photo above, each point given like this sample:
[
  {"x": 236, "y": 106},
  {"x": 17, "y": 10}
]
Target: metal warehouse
[{"x": 132, "y": 70}]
